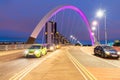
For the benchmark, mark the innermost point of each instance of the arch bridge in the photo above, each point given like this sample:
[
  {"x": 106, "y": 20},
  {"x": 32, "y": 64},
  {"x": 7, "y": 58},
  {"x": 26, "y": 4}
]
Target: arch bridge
[{"x": 54, "y": 11}]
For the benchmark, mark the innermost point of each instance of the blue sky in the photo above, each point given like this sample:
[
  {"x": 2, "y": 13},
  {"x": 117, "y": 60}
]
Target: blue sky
[{"x": 18, "y": 18}]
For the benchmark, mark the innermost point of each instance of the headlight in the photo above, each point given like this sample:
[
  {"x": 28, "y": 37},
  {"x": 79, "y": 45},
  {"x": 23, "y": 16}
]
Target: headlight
[
  {"x": 57, "y": 46},
  {"x": 108, "y": 53},
  {"x": 51, "y": 48},
  {"x": 26, "y": 51},
  {"x": 36, "y": 52},
  {"x": 118, "y": 53}
]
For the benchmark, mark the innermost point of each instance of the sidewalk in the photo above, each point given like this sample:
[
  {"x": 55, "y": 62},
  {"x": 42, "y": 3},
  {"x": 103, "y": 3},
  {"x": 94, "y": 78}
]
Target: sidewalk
[
  {"x": 2, "y": 53},
  {"x": 58, "y": 67}
]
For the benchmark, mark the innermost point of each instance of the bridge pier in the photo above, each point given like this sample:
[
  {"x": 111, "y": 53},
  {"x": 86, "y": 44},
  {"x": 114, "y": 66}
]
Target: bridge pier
[{"x": 30, "y": 40}]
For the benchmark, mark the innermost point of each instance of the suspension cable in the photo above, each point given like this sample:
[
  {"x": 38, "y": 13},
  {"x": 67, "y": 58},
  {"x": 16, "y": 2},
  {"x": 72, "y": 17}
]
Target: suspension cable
[
  {"x": 68, "y": 22},
  {"x": 62, "y": 22},
  {"x": 72, "y": 24},
  {"x": 77, "y": 32}
]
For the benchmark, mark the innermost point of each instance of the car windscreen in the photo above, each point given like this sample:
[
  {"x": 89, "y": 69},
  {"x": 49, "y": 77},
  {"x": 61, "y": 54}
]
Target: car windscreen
[
  {"x": 108, "y": 48},
  {"x": 35, "y": 47}
]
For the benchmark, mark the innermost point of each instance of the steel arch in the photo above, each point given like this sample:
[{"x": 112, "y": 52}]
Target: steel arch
[{"x": 54, "y": 11}]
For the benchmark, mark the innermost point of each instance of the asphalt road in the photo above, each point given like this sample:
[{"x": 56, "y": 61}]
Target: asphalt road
[
  {"x": 12, "y": 64},
  {"x": 100, "y": 68}
]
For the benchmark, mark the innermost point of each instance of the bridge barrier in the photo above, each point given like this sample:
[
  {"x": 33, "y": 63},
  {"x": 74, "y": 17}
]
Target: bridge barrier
[
  {"x": 14, "y": 46},
  {"x": 20, "y": 46}
]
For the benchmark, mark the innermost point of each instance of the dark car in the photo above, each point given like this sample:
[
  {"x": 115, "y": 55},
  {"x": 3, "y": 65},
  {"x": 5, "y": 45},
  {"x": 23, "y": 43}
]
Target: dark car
[
  {"x": 77, "y": 44},
  {"x": 106, "y": 51}
]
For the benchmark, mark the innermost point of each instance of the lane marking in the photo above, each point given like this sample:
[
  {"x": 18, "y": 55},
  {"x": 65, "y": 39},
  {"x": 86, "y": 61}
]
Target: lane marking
[
  {"x": 20, "y": 75},
  {"x": 76, "y": 66},
  {"x": 81, "y": 68}
]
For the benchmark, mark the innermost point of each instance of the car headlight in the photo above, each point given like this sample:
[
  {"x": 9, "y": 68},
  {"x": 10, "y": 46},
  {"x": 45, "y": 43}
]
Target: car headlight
[
  {"x": 118, "y": 53},
  {"x": 108, "y": 53},
  {"x": 26, "y": 51},
  {"x": 51, "y": 48},
  {"x": 57, "y": 46},
  {"x": 36, "y": 52}
]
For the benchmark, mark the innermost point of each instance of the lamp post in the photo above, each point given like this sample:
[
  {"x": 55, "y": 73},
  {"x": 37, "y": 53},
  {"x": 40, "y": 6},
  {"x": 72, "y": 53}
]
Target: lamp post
[
  {"x": 94, "y": 29},
  {"x": 105, "y": 31},
  {"x": 100, "y": 13},
  {"x": 71, "y": 37}
]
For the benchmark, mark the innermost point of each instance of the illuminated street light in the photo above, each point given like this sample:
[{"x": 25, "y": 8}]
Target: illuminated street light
[
  {"x": 71, "y": 36},
  {"x": 94, "y": 23},
  {"x": 73, "y": 39},
  {"x": 93, "y": 33},
  {"x": 93, "y": 28},
  {"x": 100, "y": 13}
]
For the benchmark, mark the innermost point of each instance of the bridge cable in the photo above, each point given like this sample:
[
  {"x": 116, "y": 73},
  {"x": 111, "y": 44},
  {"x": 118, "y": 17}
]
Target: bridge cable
[
  {"x": 77, "y": 25},
  {"x": 67, "y": 24},
  {"x": 62, "y": 21},
  {"x": 72, "y": 26}
]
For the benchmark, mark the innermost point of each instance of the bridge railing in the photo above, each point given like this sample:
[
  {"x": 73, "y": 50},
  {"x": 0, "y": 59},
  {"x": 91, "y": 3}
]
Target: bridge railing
[
  {"x": 20, "y": 46},
  {"x": 14, "y": 46}
]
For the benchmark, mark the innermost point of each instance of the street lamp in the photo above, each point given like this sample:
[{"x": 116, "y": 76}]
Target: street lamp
[
  {"x": 94, "y": 23},
  {"x": 93, "y": 33},
  {"x": 71, "y": 37},
  {"x": 93, "y": 28},
  {"x": 100, "y": 13}
]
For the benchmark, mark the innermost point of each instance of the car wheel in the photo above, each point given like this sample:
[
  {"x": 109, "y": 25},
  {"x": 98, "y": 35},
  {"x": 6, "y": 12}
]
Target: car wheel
[
  {"x": 103, "y": 55},
  {"x": 38, "y": 55},
  {"x": 45, "y": 52},
  {"x": 117, "y": 57},
  {"x": 95, "y": 53},
  {"x": 27, "y": 56}
]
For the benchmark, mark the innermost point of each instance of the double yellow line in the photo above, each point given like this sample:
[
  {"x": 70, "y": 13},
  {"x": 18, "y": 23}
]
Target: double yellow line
[{"x": 86, "y": 74}]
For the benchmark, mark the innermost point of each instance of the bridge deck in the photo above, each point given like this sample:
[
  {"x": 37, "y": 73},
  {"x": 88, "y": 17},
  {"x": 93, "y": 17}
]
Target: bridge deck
[{"x": 59, "y": 67}]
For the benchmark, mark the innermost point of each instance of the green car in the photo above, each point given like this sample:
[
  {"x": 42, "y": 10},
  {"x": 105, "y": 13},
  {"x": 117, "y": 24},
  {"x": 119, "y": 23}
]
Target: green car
[{"x": 36, "y": 50}]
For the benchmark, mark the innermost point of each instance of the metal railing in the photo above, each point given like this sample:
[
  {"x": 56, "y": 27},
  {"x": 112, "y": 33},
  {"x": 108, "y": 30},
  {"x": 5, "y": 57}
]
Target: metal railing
[{"x": 14, "y": 46}]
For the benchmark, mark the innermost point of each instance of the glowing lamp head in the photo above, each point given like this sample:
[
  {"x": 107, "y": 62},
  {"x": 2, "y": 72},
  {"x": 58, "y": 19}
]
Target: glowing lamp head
[
  {"x": 51, "y": 48},
  {"x": 100, "y": 13},
  {"x": 93, "y": 28},
  {"x": 94, "y": 23},
  {"x": 71, "y": 36},
  {"x": 93, "y": 34}
]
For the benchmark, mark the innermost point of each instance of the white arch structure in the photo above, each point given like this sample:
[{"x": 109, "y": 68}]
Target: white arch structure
[{"x": 42, "y": 23}]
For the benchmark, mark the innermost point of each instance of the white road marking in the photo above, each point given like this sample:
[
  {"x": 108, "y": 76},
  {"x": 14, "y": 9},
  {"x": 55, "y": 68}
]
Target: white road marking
[
  {"x": 20, "y": 75},
  {"x": 81, "y": 68},
  {"x": 78, "y": 68}
]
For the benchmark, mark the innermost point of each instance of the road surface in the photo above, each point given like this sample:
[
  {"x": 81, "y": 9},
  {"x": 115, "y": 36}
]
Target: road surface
[{"x": 67, "y": 63}]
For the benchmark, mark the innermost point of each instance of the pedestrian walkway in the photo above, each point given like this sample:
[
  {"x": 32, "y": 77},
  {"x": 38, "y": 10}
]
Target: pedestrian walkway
[
  {"x": 58, "y": 67},
  {"x": 2, "y": 53}
]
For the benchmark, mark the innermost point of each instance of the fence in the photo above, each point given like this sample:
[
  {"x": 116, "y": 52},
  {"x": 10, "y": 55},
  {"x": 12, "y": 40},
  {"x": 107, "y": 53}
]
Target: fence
[
  {"x": 21, "y": 46},
  {"x": 14, "y": 46}
]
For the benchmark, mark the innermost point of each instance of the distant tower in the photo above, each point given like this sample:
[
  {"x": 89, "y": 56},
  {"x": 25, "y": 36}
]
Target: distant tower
[{"x": 50, "y": 31}]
